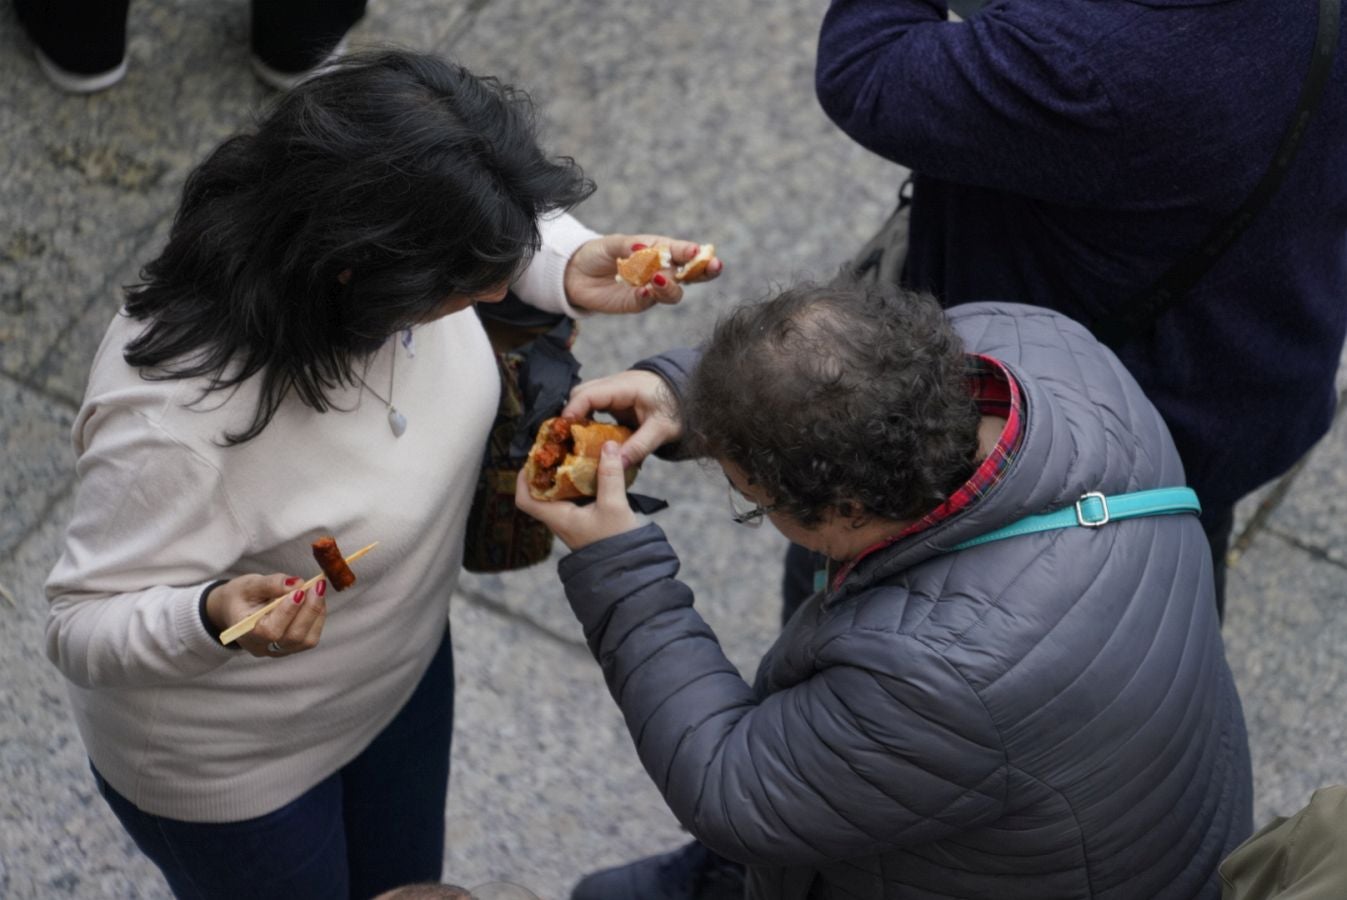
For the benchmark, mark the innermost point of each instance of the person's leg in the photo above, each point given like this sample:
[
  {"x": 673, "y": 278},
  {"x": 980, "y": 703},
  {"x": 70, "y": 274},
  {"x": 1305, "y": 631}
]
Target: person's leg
[
  {"x": 297, "y": 852},
  {"x": 1218, "y": 523},
  {"x": 85, "y": 39},
  {"x": 294, "y": 36},
  {"x": 692, "y": 872},
  {"x": 394, "y": 792}
]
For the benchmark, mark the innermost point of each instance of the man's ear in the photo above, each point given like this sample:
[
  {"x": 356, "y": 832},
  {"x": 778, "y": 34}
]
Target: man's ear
[{"x": 849, "y": 509}]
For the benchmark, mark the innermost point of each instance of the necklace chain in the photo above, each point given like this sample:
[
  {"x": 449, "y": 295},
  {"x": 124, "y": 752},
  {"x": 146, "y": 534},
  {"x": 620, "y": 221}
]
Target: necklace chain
[
  {"x": 392, "y": 370},
  {"x": 397, "y": 422}
]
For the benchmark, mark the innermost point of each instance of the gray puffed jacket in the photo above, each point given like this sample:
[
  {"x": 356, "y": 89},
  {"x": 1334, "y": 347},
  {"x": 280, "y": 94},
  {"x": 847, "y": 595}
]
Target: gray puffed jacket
[{"x": 1048, "y": 716}]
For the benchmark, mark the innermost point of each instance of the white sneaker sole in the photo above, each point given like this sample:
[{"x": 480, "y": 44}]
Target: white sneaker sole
[
  {"x": 284, "y": 81},
  {"x": 74, "y": 83}
]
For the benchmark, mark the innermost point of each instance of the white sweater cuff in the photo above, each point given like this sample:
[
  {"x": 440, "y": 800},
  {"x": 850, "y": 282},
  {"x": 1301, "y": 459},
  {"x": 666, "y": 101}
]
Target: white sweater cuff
[{"x": 543, "y": 283}]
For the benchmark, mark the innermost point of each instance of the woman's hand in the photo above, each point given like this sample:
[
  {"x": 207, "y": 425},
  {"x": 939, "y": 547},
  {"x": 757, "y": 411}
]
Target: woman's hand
[
  {"x": 591, "y": 274},
  {"x": 636, "y": 398},
  {"x": 580, "y": 526},
  {"x": 294, "y": 625}
]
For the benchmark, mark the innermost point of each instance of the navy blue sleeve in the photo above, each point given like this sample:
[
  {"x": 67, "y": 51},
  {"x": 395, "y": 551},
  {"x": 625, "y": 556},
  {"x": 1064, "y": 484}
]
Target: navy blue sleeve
[
  {"x": 1001, "y": 101},
  {"x": 675, "y": 367}
]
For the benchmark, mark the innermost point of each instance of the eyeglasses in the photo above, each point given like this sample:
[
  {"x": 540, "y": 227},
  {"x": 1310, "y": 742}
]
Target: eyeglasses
[{"x": 745, "y": 511}]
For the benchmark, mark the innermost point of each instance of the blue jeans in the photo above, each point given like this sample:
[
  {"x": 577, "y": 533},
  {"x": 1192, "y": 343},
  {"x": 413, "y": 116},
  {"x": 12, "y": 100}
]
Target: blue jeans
[{"x": 376, "y": 824}]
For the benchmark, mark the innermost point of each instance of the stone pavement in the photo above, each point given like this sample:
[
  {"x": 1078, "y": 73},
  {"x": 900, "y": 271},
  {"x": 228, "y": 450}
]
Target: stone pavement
[{"x": 691, "y": 124}]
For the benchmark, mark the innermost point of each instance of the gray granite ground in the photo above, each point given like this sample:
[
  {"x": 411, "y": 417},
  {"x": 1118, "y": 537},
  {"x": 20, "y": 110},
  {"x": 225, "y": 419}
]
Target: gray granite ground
[{"x": 708, "y": 131}]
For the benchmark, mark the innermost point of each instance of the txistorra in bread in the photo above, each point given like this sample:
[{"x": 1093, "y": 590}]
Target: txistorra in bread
[{"x": 564, "y": 461}]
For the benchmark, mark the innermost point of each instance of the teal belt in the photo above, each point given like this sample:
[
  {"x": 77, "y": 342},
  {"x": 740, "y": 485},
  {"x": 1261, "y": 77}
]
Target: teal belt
[{"x": 1094, "y": 510}]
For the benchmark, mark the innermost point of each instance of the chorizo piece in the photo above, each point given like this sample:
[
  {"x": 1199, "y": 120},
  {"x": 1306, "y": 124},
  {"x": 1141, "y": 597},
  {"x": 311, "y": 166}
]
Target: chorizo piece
[{"x": 333, "y": 564}]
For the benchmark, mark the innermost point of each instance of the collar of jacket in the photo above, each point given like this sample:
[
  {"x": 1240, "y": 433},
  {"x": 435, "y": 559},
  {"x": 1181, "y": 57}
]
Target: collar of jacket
[{"x": 1050, "y": 470}]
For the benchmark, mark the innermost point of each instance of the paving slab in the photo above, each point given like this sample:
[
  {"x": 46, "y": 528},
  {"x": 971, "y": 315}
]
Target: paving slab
[
  {"x": 1313, "y": 510},
  {"x": 57, "y": 837},
  {"x": 85, "y": 178},
  {"x": 545, "y": 784},
  {"x": 36, "y": 462},
  {"x": 62, "y": 371},
  {"x": 1285, "y": 630},
  {"x": 707, "y": 133}
]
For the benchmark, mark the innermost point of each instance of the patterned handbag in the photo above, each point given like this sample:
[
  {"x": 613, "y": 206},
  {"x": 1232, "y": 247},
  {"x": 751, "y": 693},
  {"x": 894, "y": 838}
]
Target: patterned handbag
[{"x": 537, "y": 372}]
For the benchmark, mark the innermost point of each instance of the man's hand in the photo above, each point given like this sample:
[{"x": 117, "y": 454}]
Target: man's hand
[
  {"x": 591, "y": 274},
  {"x": 580, "y": 526},
  {"x": 635, "y": 398}
]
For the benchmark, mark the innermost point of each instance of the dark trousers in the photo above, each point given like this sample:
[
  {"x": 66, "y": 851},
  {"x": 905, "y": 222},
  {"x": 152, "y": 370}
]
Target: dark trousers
[
  {"x": 88, "y": 37},
  {"x": 798, "y": 581},
  {"x": 376, "y": 824}
]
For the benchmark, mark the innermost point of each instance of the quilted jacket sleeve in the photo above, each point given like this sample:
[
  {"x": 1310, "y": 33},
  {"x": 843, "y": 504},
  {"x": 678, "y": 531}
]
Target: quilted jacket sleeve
[{"x": 885, "y": 746}]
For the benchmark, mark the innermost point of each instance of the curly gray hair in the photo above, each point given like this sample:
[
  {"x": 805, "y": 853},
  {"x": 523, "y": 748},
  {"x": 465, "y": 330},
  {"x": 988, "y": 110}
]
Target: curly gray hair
[{"x": 840, "y": 398}]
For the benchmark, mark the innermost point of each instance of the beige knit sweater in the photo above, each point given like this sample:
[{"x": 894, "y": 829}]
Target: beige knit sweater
[{"x": 179, "y": 724}]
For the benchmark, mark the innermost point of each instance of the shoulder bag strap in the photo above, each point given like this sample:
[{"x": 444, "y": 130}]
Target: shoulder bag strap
[
  {"x": 1138, "y": 316},
  {"x": 1094, "y": 510}
]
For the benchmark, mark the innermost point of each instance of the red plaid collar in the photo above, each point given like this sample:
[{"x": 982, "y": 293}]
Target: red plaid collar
[{"x": 996, "y": 393}]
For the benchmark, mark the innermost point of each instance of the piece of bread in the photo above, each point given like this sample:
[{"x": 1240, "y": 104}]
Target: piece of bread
[
  {"x": 695, "y": 268},
  {"x": 637, "y": 269},
  {"x": 564, "y": 461}
]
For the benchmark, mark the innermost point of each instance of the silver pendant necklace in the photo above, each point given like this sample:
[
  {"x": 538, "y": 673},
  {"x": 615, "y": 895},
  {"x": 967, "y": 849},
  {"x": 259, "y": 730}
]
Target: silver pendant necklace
[{"x": 397, "y": 422}]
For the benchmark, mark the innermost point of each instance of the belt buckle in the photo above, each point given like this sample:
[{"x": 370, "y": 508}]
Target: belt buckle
[{"x": 1080, "y": 511}]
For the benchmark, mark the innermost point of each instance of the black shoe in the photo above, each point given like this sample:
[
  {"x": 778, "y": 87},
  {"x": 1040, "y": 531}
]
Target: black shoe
[
  {"x": 80, "y": 56},
  {"x": 691, "y": 872}
]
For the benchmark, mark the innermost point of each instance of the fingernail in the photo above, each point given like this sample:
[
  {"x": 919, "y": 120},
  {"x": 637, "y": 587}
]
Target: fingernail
[
  {"x": 299, "y": 597},
  {"x": 638, "y": 246},
  {"x": 321, "y": 587},
  {"x": 290, "y": 581},
  {"x": 660, "y": 280},
  {"x": 645, "y": 293}
]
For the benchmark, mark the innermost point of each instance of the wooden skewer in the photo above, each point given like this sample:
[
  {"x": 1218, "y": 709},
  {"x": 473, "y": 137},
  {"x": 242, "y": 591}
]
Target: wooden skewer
[{"x": 249, "y": 622}]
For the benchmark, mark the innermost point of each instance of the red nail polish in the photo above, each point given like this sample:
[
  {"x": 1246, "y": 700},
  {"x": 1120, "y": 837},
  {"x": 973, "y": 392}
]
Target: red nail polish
[
  {"x": 660, "y": 280},
  {"x": 299, "y": 597},
  {"x": 645, "y": 292},
  {"x": 290, "y": 581},
  {"x": 635, "y": 247},
  {"x": 321, "y": 587}
]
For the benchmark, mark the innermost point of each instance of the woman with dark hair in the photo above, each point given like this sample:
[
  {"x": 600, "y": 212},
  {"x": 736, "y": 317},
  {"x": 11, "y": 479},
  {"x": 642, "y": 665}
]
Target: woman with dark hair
[
  {"x": 960, "y": 710},
  {"x": 302, "y": 360}
]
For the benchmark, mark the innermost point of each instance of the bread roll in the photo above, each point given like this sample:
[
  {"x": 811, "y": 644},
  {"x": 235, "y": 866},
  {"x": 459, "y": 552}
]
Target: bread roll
[
  {"x": 695, "y": 268},
  {"x": 637, "y": 269},
  {"x": 564, "y": 461}
]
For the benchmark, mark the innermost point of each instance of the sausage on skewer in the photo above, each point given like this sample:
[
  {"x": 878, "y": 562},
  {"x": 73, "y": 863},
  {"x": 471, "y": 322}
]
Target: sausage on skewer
[{"x": 330, "y": 560}]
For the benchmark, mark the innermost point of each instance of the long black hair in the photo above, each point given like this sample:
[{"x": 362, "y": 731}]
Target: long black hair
[
  {"x": 837, "y": 399},
  {"x": 363, "y": 199}
]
